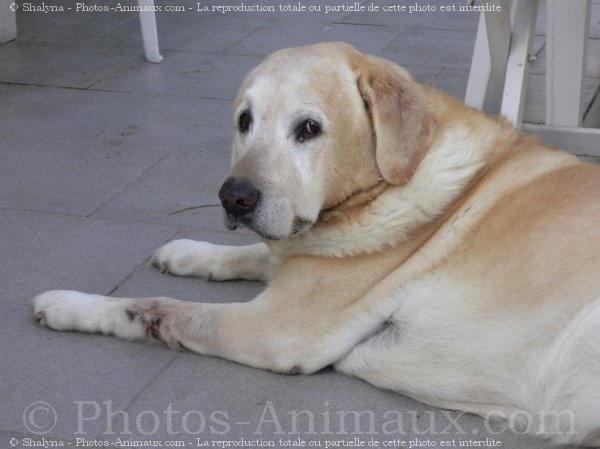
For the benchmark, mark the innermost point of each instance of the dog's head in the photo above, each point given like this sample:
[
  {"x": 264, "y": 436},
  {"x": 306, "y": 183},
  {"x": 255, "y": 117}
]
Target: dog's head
[{"x": 313, "y": 126}]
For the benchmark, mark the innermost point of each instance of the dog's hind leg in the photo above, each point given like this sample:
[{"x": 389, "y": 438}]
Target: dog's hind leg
[
  {"x": 568, "y": 382},
  {"x": 214, "y": 262}
]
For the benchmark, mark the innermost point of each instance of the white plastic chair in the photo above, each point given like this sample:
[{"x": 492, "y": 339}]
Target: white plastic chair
[
  {"x": 149, "y": 32},
  {"x": 8, "y": 21},
  {"x": 8, "y": 26},
  {"x": 500, "y": 68}
]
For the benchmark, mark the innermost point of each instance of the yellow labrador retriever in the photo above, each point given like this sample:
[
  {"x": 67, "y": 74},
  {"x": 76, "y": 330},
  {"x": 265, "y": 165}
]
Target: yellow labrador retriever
[{"x": 408, "y": 240}]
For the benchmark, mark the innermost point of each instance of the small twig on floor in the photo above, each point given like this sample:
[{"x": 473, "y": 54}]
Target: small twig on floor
[{"x": 193, "y": 207}]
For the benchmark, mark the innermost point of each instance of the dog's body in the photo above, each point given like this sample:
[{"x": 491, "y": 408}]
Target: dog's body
[{"x": 408, "y": 240}]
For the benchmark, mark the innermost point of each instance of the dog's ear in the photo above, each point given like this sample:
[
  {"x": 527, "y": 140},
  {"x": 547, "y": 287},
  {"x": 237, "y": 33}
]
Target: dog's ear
[{"x": 402, "y": 125}]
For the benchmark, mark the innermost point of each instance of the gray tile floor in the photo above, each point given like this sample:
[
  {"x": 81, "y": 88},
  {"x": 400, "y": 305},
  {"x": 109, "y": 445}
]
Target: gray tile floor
[{"x": 103, "y": 158}]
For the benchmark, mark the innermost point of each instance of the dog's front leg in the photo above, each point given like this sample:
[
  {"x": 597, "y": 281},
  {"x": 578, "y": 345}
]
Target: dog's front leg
[
  {"x": 258, "y": 333},
  {"x": 214, "y": 262},
  {"x": 152, "y": 318}
]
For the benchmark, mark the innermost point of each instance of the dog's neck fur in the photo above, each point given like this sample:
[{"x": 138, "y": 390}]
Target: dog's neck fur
[
  {"x": 357, "y": 200},
  {"x": 384, "y": 215}
]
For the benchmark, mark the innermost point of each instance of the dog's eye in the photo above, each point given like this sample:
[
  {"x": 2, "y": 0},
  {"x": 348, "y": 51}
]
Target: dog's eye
[
  {"x": 244, "y": 122},
  {"x": 308, "y": 129}
]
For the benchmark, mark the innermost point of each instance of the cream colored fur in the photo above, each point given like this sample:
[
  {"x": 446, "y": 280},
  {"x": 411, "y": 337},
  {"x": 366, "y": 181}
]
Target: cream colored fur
[{"x": 443, "y": 255}]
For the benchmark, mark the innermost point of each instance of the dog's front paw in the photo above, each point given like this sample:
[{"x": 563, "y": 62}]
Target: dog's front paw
[
  {"x": 64, "y": 309},
  {"x": 187, "y": 258}
]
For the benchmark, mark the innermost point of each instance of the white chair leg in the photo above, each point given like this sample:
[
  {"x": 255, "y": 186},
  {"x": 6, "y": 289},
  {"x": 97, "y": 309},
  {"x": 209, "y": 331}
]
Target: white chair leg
[
  {"x": 149, "y": 32},
  {"x": 490, "y": 57},
  {"x": 8, "y": 21},
  {"x": 566, "y": 49},
  {"x": 517, "y": 71},
  {"x": 498, "y": 35},
  {"x": 481, "y": 66}
]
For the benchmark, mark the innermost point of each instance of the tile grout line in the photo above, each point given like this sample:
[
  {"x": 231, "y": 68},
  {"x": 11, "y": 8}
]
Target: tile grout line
[
  {"x": 117, "y": 71},
  {"x": 14, "y": 83},
  {"x": 228, "y": 99},
  {"x": 137, "y": 269},
  {"x": 151, "y": 381},
  {"x": 123, "y": 220},
  {"x": 355, "y": 24},
  {"x": 21, "y": 434},
  {"x": 97, "y": 38},
  {"x": 132, "y": 63},
  {"x": 436, "y": 76},
  {"x": 129, "y": 184},
  {"x": 226, "y": 51},
  {"x": 121, "y": 92},
  {"x": 413, "y": 27},
  {"x": 592, "y": 102},
  {"x": 144, "y": 388}
]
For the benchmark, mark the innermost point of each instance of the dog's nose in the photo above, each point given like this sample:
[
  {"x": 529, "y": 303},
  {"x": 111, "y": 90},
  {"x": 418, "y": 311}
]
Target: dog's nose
[{"x": 238, "y": 197}]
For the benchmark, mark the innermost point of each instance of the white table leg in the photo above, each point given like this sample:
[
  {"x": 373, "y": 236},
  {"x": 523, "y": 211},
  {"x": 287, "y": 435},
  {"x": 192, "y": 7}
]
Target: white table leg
[
  {"x": 566, "y": 49},
  {"x": 149, "y": 32},
  {"x": 517, "y": 71},
  {"x": 8, "y": 21}
]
